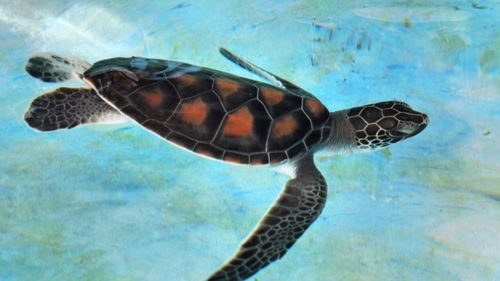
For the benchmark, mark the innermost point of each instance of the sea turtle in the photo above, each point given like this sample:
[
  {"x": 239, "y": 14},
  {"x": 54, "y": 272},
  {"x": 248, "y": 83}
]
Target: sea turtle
[{"x": 225, "y": 117}]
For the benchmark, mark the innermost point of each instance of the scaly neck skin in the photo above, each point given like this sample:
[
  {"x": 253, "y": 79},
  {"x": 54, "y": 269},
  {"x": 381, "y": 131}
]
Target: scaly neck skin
[{"x": 341, "y": 139}]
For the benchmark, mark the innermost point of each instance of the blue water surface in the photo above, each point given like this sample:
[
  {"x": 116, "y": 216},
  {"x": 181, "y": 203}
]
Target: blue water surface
[{"x": 117, "y": 203}]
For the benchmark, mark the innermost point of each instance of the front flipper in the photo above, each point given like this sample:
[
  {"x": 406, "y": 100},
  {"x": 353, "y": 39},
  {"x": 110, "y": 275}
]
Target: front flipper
[
  {"x": 65, "y": 108},
  {"x": 274, "y": 79},
  {"x": 53, "y": 68},
  {"x": 296, "y": 209}
]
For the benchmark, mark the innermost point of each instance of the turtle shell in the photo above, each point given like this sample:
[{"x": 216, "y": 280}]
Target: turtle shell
[{"x": 216, "y": 114}]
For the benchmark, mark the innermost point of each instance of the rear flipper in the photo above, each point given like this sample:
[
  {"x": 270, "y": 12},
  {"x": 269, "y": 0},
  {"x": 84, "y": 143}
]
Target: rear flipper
[
  {"x": 65, "y": 108},
  {"x": 53, "y": 68}
]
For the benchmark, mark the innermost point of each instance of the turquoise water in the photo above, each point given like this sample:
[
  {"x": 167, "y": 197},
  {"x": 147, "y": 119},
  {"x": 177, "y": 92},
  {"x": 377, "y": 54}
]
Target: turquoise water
[{"x": 116, "y": 203}]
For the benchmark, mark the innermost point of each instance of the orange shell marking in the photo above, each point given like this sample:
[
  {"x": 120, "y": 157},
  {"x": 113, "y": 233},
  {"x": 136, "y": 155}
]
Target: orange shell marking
[
  {"x": 226, "y": 87},
  {"x": 284, "y": 127},
  {"x": 271, "y": 96},
  {"x": 238, "y": 124},
  {"x": 315, "y": 107},
  {"x": 193, "y": 112},
  {"x": 187, "y": 80},
  {"x": 153, "y": 98},
  {"x": 256, "y": 162}
]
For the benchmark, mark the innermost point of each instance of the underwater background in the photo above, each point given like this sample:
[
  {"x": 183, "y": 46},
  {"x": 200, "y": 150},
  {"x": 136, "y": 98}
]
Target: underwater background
[{"x": 117, "y": 203}]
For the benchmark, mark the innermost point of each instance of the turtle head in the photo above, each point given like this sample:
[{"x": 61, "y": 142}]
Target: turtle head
[
  {"x": 382, "y": 124},
  {"x": 373, "y": 126}
]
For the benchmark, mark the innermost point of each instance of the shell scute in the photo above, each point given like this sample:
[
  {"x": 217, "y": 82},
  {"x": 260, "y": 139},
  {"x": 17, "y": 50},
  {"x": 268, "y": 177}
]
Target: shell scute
[
  {"x": 157, "y": 100},
  {"x": 234, "y": 93},
  {"x": 238, "y": 124},
  {"x": 208, "y": 150},
  {"x": 277, "y": 157},
  {"x": 236, "y": 158},
  {"x": 287, "y": 130},
  {"x": 316, "y": 111},
  {"x": 181, "y": 140},
  {"x": 296, "y": 150},
  {"x": 271, "y": 97},
  {"x": 245, "y": 129},
  {"x": 279, "y": 106},
  {"x": 158, "y": 127},
  {"x": 193, "y": 112},
  {"x": 189, "y": 85},
  {"x": 198, "y": 117},
  {"x": 259, "y": 159},
  {"x": 313, "y": 138}
]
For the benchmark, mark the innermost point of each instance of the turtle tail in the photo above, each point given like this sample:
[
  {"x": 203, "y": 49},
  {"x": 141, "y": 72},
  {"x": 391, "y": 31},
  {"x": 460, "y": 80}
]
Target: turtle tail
[
  {"x": 65, "y": 108},
  {"x": 53, "y": 68}
]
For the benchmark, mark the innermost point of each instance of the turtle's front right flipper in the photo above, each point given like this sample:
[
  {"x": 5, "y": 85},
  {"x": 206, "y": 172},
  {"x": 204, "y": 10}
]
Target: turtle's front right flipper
[
  {"x": 273, "y": 78},
  {"x": 295, "y": 210},
  {"x": 53, "y": 68},
  {"x": 65, "y": 108}
]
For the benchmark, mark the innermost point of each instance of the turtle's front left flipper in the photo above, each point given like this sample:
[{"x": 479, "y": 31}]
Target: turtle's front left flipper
[
  {"x": 65, "y": 108},
  {"x": 53, "y": 68},
  {"x": 296, "y": 209}
]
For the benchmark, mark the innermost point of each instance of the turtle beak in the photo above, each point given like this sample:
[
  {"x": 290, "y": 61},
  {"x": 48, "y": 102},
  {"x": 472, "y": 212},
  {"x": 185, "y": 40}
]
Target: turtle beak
[
  {"x": 410, "y": 128},
  {"x": 422, "y": 125}
]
